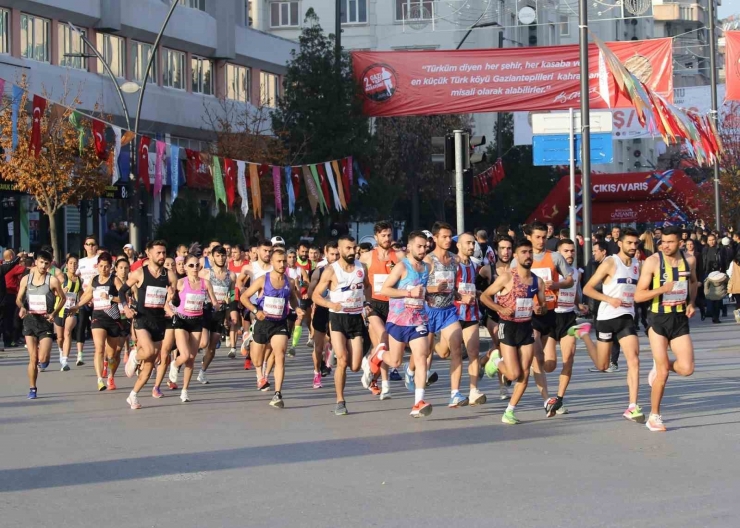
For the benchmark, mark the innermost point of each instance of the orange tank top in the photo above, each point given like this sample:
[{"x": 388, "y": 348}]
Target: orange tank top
[
  {"x": 379, "y": 271},
  {"x": 546, "y": 270}
]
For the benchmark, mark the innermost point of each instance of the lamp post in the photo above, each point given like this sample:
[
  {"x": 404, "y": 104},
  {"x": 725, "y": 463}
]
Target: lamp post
[
  {"x": 585, "y": 129},
  {"x": 714, "y": 115}
]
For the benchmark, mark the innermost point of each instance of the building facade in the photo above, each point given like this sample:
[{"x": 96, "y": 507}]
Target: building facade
[{"x": 208, "y": 54}]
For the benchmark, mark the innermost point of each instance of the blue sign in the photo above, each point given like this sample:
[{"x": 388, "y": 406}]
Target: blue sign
[{"x": 554, "y": 149}]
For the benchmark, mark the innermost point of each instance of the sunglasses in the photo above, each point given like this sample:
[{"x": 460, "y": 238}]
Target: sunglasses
[
  {"x": 196, "y": 266},
  {"x": 90, "y": 244}
]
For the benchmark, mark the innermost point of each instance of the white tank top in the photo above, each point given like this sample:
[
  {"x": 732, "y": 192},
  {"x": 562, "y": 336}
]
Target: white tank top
[
  {"x": 258, "y": 272},
  {"x": 621, "y": 286},
  {"x": 567, "y": 297},
  {"x": 294, "y": 273},
  {"x": 350, "y": 292}
]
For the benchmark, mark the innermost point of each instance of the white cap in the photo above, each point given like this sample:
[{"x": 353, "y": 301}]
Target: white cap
[
  {"x": 725, "y": 241},
  {"x": 427, "y": 234},
  {"x": 277, "y": 241},
  {"x": 128, "y": 246}
]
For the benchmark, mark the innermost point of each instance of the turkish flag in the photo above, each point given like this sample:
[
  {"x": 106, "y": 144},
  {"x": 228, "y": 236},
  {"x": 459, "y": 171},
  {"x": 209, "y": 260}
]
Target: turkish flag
[
  {"x": 324, "y": 185},
  {"x": 39, "y": 105},
  {"x": 732, "y": 52},
  {"x": 144, "y": 145},
  {"x": 229, "y": 171},
  {"x": 345, "y": 178},
  {"x": 98, "y": 128}
]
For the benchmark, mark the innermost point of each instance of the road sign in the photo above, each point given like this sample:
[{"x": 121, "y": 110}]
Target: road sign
[
  {"x": 117, "y": 192},
  {"x": 559, "y": 123},
  {"x": 555, "y": 149}
]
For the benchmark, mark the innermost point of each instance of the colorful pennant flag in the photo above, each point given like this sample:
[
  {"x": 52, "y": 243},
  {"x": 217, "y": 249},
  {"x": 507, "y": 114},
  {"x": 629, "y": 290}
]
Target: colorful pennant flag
[
  {"x": 311, "y": 190},
  {"x": 254, "y": 183},
  {"x": 39, "y": 106},
  {"x": 242, "y": 185},
  {"x": 113, "y": 156},
  {"x": 230, "y": 181},
  {"x": 278, "y": 194},
  {"x": 143, "y": 175},
  {"x": 98, "y": 129},
  {"x": 15, "y": 108},
  {"x": 289, "y": 188},
  {"x": 174, "y": 172},
  {"x": 159, "y": 167},
  {"x": 218, "y": 182}
]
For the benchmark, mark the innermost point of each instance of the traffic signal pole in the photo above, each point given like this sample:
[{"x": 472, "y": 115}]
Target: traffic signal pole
[{"x": 460, "y": 148}]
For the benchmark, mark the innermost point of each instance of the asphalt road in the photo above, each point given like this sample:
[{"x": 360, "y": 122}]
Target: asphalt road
[{"x": 79, "y": 458}]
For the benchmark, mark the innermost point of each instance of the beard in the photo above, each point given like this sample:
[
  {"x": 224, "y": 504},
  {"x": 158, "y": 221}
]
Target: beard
[
  {"x": 349, "y": 259},
  {"x": 527, "y": 264}
]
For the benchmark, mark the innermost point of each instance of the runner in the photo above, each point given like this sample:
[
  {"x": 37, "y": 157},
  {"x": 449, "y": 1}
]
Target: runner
[
  {"x": 36, "y": 308},
  {"x": 307, "y": 266},
  {"x": 122, "y": 270},
  {"x": 155, "y": 289},
  {"x": 300, "y": 278},
  {"x": 668, "y": 280},
  {"x": 517, "y": 289},
  {"x": 188, "y": 320},
  {"x": 379, "y": 263},
  {"x": 65, "y": 322},
  {"x": 275, "y": 291},
  {"x": 349, "y": 289},
  {"x": 168, "y": 344},
  {"x": 222, "y": 280},
  {"x": 236, "y": 264},
  {"x": 106, "y": 320},
  {"x": 407, "y": 319},
  {"x": 320, "y": 320},
  {"x": 615, "y": 319},
  {"x": 86, "y": 269},
  {"x": 258, "y": 267}
]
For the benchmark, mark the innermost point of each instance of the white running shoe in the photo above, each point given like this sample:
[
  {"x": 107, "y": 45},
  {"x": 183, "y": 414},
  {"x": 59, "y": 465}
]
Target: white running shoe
[
  {"x": 227, "y": 343},
  {"x": 174, "y": 370},
  {"x": 232, "y": 353},
  {"x": 202, "y": 378},
  {"x": 133, "y": 401},
  {"x": 130, "y": 368},
  {"x": 385, "y": 394},
  {"x": 367, "y": 375},
  {"x": 504, "y": 393},
  {"x": 184, "y": 396}
]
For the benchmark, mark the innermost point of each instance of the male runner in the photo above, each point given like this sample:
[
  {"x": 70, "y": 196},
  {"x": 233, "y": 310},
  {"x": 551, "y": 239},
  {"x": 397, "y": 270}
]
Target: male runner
[
  {"x": 87, "y": 268},
  {"x": 274, "y": 291},
  {"x": 516, "y": 288},
  {"x": 406, "y": 288},
  {"x": 37, "y": 297},
  {"x": 236, "y": 263},
  {"x": 379, "y": 263},
  {"x": 349, "y": 288},
  {"x": 547, "y": 265},
  {"x": 321, "y": 366},
  {"x": 300, "y": 279},
  {"x": 258, "y": 267},
  {"x": 155, "y": 287},
  {"x": 615, "y": 319},
  {"x": 307, "y": 266},
  {"x": 668, "y": 280}
]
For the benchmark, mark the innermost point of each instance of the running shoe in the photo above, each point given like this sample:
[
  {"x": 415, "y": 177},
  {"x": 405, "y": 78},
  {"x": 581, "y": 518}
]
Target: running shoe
[
  {"x": 655, "y": 423},
  {"x": 653, "y": 374},
  {"x": 317, "y": 380},
  {"x": 105, "y": 368},
  {"x": 634, "y": 414},
  {"x": 503, "y": 393},
  {"x": 491, "y": 365},
  {"x": 156, "y": 393},
  {"x": 578, "y": 331},
  {"x": 431, "y": 379},
  {"x": 341, "y": 409},
  {"x": 374, "y": 388},
  {"x": 131, "y": 365},
  {"x": 373, "y": 360},
  {"x": 509, "y": 418},
  {"x": 309, "y": 343},
  {"x": 408, "y": 380},
  {"x": 277, "y": 401},
  {"x": 562, "y": 410},
  {"x": 232, "y": 353},
  {"x": 111, "y": 384},
  {"x": 476, "y": 397},
  {"x": 218, "y": 344},
  {"x": 325, "y": 371},
  {"x": 552, "y": 405},
  {"x": 247, "y": 364},
  {"x": 594, "y": 369},
  {"x": 184, "y": 398},
  {"x": 367, "y": 374},
  {"x": 65, "y": 367},
  {"x": 421, "y": 409},
  {"x": 263, "y": 384},
  {"x": 227, "y": 342},
  {"x": 32, "y": 393},
  {"x": 101, "y": 385},
  {"x": 246, "y": 340},
  {"x": 457, "y": 400},
  {"x": 291, "y": 351},
  {"x": 736, "y": 313},
  {"x": 202, "y": 378},
  {"x": 394, "y": 375},
  {"x": 133, "y": 401},
  {"x": 173, "y": 373},
  {"x": 40, "y": 368},
  {"x": 613, "y": 367},
  {"x": 385, "y": 394},
  {"x": 171, "y": 385}
]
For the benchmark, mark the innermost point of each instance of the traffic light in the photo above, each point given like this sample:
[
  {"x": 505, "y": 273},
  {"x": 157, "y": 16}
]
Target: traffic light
[
  {"x": 470, "y": 157},
  {"x": 468, "y": 181},
  {"x": 476, "y": 157},
  {"x": 450, "y": 152}
]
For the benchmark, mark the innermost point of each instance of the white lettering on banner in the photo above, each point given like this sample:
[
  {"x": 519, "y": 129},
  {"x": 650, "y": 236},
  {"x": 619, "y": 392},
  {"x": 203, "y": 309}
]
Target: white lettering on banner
[
  {"x": 37, "y": 304},
  {"x": 619, "y": 187},
  {"x": 101, "y": 300},
  {"x": 221, "y": 292},
  {"x": 524, "y": 308},
  {"x": 155, "y": 297},
  {"x": 273, "y": 306},
  {"x": 677, "y": 295},
  {"x": 194, "y": 302},
  {"x": 378, "y": 281}
]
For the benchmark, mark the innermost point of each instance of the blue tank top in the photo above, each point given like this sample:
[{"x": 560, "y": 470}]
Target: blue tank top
[
  {"x": 408, "y": 311},
  {"x": 274, "y": 302}
]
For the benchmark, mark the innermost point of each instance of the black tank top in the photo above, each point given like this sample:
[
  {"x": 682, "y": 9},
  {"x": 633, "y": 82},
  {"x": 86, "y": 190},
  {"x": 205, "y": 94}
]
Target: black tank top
[
  {"x": 152, "y": 294},
  {"x": 103, "y": 294}
]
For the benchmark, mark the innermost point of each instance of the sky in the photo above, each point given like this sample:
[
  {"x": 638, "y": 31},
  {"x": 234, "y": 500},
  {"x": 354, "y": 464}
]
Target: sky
[{"x": 729, "y": 7}]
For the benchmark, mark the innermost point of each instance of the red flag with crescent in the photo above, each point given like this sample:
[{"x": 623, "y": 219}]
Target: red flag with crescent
[
  {"x": 39, "y": 105},
  {"x": 144, "y": 145},
  {"x": 98, "y": 128}
]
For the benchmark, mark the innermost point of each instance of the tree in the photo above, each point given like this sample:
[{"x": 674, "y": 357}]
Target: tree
[
  {"x": 65, "y": 171},
  {"x": 730, "y": 166}
]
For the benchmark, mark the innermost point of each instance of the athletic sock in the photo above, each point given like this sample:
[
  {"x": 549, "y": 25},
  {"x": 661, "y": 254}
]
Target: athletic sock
[
  {"x": 297, "y": 333},
  {"x": 385, "y": 385},
  {"x": 452, "y": 393},
  {"x": 381, "y": 350},
  {"x": 409, "y": 372},
  {"x": 510, "y": 408},
  {"x": 418, "y": 395}
]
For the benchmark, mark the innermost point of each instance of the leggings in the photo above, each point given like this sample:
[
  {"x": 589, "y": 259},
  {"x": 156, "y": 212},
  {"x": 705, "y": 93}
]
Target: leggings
[{"x": 83, "y": 323}]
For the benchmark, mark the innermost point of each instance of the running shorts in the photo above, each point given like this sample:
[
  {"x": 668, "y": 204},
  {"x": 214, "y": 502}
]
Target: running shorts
[
  {"x": 155, "y": 326},
  {"x": 563, "y": 323},
  {"x": 265, "y": 330},
  {"x": 379, "y": 309},
  {"x": 515, "y": 334},
  {"x": 615, "y": 329},
  {"x": 320, "y": 319},
  {"x": 440, "y": 318},
  {"x": 214, "y": 321},
  {"x": 111, "y": 326},
  {"x": 669, "y": 325},
  {"x": 349, "y": 325},
  {"x": 60, "y": 321},
  {"x": 544, "y": 324},
  {"x": 468, "y": 324},
  {"x": 192, "y": 325},
  {"x": 406, "y": 334},
  {"x": 37, "y": 326}
]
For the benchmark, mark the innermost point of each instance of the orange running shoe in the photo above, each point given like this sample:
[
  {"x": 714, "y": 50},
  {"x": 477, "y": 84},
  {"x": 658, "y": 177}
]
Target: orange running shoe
[
  {"x": 111, "y": 384},
  {"x": 421, "y": 409},
  {"x": 374, "y": 388}
]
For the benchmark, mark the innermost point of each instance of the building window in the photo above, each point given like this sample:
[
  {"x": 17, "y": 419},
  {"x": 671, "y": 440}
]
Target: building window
[
  {"x": 194, "y": 4},
  {"x": 202, "y": 76},
  {"x": 71, "y": 43},
  {"x": 141, "y": 52},
  {"x": 248, "y": 13},
  {"x": 414, "y": 10},
  {"x": 238, "y": 83},
  {"x": 113, "y": 50},
  {"x": 564, "y": 25},
  {"x": 354, "y": 11},
  {"x": 4, "y": 31},
  {"x": 34, "y": 38},
  {"x": 173, "y": 73},
  {"x": 269, "y": 89},
  {"x": 283, "y": 14}
]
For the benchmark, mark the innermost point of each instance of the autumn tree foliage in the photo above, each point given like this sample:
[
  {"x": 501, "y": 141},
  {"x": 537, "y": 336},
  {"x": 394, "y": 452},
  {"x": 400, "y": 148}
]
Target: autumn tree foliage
[
  {"x": 730, "y": 167},
  {"x": 64, "y": 172}
]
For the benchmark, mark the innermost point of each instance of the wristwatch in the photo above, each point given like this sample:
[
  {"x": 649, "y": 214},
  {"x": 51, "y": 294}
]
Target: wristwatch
[{"x": 254, "y": 310}]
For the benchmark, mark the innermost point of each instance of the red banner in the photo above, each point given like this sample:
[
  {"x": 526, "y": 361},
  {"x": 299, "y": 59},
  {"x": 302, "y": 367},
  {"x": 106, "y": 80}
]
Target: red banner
[
  {"x": 732, "y": 65},
  {"x": 398, "y": 83}
]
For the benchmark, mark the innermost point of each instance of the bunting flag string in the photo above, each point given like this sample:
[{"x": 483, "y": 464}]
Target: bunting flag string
[{"x": 487, "y": 180}]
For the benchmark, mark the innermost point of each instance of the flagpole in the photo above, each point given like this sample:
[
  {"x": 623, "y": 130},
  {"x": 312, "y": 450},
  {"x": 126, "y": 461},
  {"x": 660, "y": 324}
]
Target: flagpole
[{"x": 714, "y": 115}]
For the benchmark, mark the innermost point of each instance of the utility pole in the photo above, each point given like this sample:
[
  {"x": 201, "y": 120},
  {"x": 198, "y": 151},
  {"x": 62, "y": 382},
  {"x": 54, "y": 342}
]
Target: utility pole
[
  {"x": 715, "y": 116},
  {"x": 585, "y": 128},
  {"x": 460, "y": 147}
]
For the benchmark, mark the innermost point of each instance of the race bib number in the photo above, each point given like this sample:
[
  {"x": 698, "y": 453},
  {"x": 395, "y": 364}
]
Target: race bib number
[
  {"x": 543, "y": 273},
  {"x": 677, "y": 295},
  {"x": 101, "y": 300},
  {"x": 37, "y": 304},
  {"x": 354, "y": 301},
  {"x": 465, "y": 288},
  {"x": 447, "y": 277},
  {"x": 155, "y": 297},
  {"x": 194, "y": 302},
  {"x": 567, "y": 298},
  {"x": 416, "y": 304},
  {"x": 221, "y": 292},
  {"x": 524, "y": 308},
  {"x": 628, "y": 295},
  {"x": 273, "y": 306},
  {"x": 378, "y": 281},
  {"x": 71, "y": 299}
]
